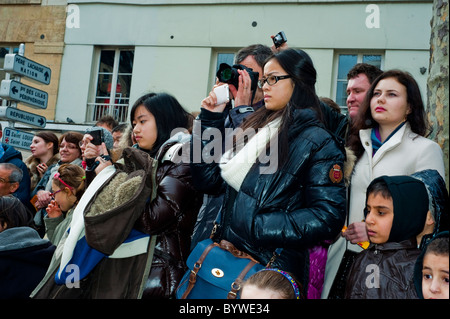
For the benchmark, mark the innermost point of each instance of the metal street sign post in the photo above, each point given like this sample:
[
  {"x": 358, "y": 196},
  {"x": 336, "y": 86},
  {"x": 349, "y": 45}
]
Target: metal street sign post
[
  {"x": 13, "y": 90},
  {"x": 20, "y": 65},
  {"x": 17, "y": 138},
  {"x": 11, "y": 113}
]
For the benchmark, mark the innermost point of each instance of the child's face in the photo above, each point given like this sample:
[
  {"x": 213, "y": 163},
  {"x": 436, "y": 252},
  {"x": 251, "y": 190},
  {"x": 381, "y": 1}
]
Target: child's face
[
  {"x": 63, "y": 197},
  {"x": 379, "y": 218},
  {"x": 253, "y": 292},
  {"x": 435, "y": 276}
]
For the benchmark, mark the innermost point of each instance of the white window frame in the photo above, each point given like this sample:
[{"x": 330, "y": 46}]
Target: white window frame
[{"x": 92, "y": 105}]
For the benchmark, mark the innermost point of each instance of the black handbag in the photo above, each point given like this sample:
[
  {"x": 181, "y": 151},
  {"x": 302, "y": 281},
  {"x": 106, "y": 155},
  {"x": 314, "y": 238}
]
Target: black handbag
[{"x": 337, "y": 290}]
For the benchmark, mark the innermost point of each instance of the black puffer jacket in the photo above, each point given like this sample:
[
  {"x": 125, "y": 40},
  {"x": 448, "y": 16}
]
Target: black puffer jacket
[
  {"x": 171, "y": 217},
  {"x": 297, "y": 207}
]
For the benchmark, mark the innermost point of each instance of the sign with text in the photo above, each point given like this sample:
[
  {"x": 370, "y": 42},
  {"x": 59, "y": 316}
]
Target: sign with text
[
  {"x": 13, "y": 90},
  {"x": 20, "y": 65},
  {"x": 17, "y": 138},
  {"x": 13, "y": 114}
]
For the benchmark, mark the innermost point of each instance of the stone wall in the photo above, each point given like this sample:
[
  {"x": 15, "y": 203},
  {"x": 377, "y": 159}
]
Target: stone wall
[
  {"x": 41, "y": 28},
  {"x": 438, "y": 80}
]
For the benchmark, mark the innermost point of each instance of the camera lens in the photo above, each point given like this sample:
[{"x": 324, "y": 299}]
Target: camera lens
[{"x": 226, "y": 75}]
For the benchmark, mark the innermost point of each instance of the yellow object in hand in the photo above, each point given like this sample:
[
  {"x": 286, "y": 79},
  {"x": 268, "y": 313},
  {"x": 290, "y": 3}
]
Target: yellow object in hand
[{"x": 363, "y": 244}]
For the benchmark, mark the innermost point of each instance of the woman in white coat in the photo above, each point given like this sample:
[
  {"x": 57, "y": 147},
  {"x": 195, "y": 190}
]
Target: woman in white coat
[{"x": 388, "y": 138}]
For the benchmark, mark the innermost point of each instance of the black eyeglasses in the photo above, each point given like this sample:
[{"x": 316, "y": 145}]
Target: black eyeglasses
[{"x": 272, "y": 80}]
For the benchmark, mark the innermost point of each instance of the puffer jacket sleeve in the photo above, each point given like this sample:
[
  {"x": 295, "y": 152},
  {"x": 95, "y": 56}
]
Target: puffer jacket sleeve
[
  {"x": 206, "y": 149},
  {"x": 322, "y": 213},
  {"x": 174, "y": 193}
]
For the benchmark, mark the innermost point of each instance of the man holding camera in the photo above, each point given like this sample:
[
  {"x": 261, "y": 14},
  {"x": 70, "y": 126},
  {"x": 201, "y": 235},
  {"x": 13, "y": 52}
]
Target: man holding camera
[{"x": 248, "y": 97}]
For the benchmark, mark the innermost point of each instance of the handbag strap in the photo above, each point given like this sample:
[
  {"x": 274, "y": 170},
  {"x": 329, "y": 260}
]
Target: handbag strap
[
  {"x": 197, "y": 266},
  {"x": 226, "y": 245},
  {"x": 236, "y": 285}
]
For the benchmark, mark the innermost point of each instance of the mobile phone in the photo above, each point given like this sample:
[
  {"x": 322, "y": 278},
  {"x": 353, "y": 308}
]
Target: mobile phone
[
  {"x": 279, "y": 39},
  {"x": 97, "y": 136},
  {"x": 222, "y": 93}
]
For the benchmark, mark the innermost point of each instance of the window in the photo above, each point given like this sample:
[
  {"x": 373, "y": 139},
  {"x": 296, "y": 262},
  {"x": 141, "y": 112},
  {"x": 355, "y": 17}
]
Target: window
[
  {"x": 111, "y": 92},
  {"x": 4, "y": 50},
  {"x": 227, "y": 58},
  {"x": 344, "y": 63}
]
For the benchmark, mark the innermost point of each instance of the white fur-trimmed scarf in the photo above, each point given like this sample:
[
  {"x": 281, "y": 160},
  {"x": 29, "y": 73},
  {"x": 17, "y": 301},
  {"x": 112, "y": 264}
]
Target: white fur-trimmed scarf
[{"x": 235, "y": 168}]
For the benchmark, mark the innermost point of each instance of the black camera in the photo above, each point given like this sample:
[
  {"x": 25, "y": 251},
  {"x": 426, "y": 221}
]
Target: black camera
[
  {"x": 279, "y": 39},
  {"x": 229, "y": 74}
]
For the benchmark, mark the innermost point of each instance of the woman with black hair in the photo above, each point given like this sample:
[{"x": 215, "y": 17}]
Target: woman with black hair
[
  {"x": 296, "y": 204},
  {"x": 172, "y": 214}
]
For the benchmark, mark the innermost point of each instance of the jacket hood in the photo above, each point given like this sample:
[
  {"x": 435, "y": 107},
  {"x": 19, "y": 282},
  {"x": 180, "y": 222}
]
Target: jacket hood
[
  {"x": 438, "y": 201},
  {"x": 10, "y": 152},
  {"x": 20, "y": 238},
  {"x": 302, "y": 118},
  {"x": 410, "y": 201},
  {"x": 419, "y": 264},
  {"x": 180, "y": 137}
]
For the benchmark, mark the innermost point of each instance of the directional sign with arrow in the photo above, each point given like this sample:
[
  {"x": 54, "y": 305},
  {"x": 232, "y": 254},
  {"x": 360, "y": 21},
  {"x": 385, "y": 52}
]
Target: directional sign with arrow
[
  {"x": 13, "y": 90},
  {"x": 17, "y": 138},
  {"x": 11, "y": 113},
  {"x": 20, "y": 65}
]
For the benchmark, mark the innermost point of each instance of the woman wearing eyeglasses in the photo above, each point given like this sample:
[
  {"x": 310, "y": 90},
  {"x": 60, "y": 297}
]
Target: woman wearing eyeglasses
[
  {"x": 68, "y": 186},
  {"x": 284, "y": 188}
]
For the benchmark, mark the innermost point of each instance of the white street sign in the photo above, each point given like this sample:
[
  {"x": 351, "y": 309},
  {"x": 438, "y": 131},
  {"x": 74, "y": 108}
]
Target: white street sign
[
  {"x": 17, "y": 138},
  {"x": 13, "y": 90},
  {"x": 20, "y": 65},
  {"x": 13, "y": 114}
]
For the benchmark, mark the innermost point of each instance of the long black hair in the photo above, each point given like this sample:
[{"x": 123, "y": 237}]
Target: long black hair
[
  {"x": 297, "y": 64},
  {"x": 168, "y": 113}
]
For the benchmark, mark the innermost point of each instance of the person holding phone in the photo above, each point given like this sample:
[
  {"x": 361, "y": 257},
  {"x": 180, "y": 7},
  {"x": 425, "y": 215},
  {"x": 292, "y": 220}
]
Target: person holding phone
[
  {"x": 252, "y": 57},
  {"x": 44, "y": 153},
  {"x": 69, "y": 152},
  {"x": 290, "y": 214},
  {"x": 97, "y": 150}
]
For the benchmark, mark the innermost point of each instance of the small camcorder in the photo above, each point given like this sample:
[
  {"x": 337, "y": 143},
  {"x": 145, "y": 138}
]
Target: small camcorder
[
  {"x": 279, "y": 39},
  {"x": 229, "y": 74}
]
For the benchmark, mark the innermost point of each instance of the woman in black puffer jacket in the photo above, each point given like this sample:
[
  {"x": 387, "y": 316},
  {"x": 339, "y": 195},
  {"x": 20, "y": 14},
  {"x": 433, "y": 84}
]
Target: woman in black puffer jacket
[
  {"x": 295, "y": 202},
  {"x": 172, "y": 214}
]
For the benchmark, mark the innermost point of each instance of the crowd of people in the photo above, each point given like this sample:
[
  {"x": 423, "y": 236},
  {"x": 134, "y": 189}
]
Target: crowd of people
[{"x": 340, "y": 206}]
